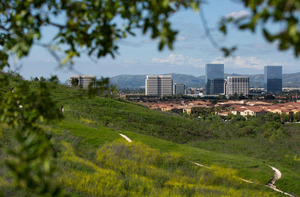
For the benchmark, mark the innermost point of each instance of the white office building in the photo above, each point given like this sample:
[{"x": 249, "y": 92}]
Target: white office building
[
  {"x": 82, "y": 80},
  {"x": 237, "y": 85},
  {"x": 159, "y": 85}
]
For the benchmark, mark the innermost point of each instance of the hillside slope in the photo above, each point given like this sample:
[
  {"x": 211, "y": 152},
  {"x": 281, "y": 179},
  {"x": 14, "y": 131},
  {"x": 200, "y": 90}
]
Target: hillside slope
[
  {"x": 136, "y": 119},
  {"x": 93, "y": 160}
]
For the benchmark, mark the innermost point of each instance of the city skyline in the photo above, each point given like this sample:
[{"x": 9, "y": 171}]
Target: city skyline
[
  {"x": 139, "y": 55},
  {"x": 216, "y": 84}
]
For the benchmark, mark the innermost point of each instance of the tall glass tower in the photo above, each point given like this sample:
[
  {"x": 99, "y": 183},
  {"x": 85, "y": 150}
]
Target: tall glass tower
[
  {"x": 273, "y": 79},
  {"x": 214, "y": 78}
]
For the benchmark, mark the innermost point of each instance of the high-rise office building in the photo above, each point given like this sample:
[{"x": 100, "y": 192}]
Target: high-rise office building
[
  {"x": 214, "y": 78},
  {"x": 273, "y": 79},
  {"x": 159, "y": 85},
  {"x": 81, "y": 80},
  {"x": 237, "y": 85},
  {"x": 179, "y": 89}
]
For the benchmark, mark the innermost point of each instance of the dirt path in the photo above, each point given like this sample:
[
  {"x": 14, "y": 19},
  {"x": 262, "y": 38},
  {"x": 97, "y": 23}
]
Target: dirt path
[
  {"x": 126, "y": 138},
  {"x": 271, "y": 184},
  {"x": 277, "y": 175},
  {"x": 201, "y": 165}
]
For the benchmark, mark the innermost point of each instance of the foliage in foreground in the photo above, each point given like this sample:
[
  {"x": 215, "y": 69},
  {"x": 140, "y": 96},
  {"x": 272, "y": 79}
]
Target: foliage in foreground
[{"x": 23, "y": 110}]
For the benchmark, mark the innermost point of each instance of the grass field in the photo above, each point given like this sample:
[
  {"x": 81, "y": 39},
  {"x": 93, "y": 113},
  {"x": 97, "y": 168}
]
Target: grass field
[
  {"x": 92, "y": 136},
  {"x": 248, "y": 168},
  {"x": 282, "y": 153},
  {"x": 249, "y": 155},
  {"x": 94, "y": 160}
]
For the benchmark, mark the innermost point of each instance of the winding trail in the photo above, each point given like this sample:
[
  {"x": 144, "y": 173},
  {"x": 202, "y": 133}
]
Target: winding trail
[
  {"x": 200, "y": 165},
  {"x": 271, "y": 184},
  {"x": 126, "y": 138},
  {"x": 277, "y": 175}
]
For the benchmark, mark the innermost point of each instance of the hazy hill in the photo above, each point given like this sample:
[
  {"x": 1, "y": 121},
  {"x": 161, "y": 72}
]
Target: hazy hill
[
  {"x": 257, "y": 80},
  {"x": 291, "y": 80},
  {"x": 128, "y": 81},
  {"x": 138, "y": 81}
]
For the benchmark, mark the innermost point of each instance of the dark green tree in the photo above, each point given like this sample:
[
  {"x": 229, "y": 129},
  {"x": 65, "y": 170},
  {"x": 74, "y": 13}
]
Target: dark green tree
[
  {"x": 53, "y": 79},
  {"x": 24, "y": 110},
  {"x": 297, "y": 116},
  {"x": 285, "y": 117},
  {"x": 74, "y": 82}
]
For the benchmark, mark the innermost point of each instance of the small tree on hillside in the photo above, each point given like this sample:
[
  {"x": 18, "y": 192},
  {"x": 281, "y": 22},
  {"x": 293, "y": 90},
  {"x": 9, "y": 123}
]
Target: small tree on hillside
[{"x": 74, "y": 82}]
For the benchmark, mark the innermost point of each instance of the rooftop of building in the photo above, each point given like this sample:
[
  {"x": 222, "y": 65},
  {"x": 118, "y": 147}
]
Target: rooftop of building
[
  {"x": 237, "y": 76},
  {"x": 159, "y": 76},
  {"x": 82, "y": 76}
]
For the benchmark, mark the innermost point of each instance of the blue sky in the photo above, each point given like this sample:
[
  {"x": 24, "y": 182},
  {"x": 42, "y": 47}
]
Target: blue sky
[{"x": 192, "y": 50}]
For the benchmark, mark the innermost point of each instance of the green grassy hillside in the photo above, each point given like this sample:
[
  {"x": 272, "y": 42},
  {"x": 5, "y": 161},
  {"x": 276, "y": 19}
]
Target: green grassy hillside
[
  {"x": 94, "y": 160},
  {"x": 258, "y": 151},
  {"x": 280, "y": 152}
]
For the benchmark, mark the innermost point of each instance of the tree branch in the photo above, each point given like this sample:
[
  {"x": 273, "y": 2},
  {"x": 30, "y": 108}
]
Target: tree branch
[{"x": 207, "y": 31}]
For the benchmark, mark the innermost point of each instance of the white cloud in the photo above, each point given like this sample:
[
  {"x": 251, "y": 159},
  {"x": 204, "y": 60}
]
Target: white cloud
[
  {"x": 238, "y": 15},
  {"x": 246, "y": 62},
  {"x": 179, "y": 60}
]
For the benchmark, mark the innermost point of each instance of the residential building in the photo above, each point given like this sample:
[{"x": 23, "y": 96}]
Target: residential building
[
  {"x": 253, "y": 111},
  {"x": 179, "y": 89},
  {"x": 214, "y": 79},
  {"x": 273, "y": 79},
  {"x": 237, "y": 85},
  {"x": 187, "y": 110},
  {"x": 159, "y": 85},
  {"x": 81, "y": 80}
]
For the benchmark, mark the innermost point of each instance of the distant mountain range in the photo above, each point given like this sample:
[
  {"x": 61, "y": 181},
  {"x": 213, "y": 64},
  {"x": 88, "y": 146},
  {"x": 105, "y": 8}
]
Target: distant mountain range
[{"x": 256, "y": 81}]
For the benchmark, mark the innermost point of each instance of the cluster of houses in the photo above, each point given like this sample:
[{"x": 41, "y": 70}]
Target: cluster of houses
[{"x": 244, "y": 108}]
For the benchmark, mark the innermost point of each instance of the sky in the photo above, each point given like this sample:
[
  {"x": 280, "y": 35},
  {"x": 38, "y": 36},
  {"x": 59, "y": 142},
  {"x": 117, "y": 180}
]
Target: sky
[{"x": 192, "y": 50}]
